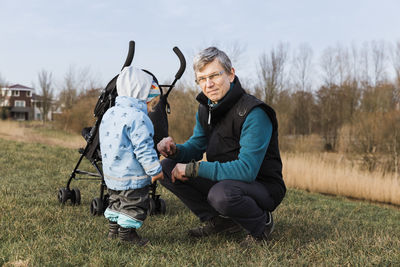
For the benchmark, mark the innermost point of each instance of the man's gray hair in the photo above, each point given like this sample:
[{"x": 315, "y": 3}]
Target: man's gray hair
[{"x": 208, "y": 55}]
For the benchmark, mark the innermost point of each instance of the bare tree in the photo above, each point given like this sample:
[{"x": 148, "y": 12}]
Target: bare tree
[
  {"x": 2, "y": 84},
  {"x": 344, "y": 66},
  {"x": 379, "y": 60},
  {"x": 3, "y": 110},
  {"x": 329, "y": 112},
  {"x": 272, "y": 72},
  {"x": 329, "y": 66},
  {"x": 46, "y": 91},
  {"x": 75, "y": 82},
  {"x": 235, "y": 51},
  {"x": 302, "y": 100},
  {"x": 396, "y": 65},
  {"x": 303, "y": 103},
  {"x": 373, "y": 64},
  {"x": 354, "y": 66},
  {"x": 396, "y": 62},
  {"x": 302, "y": 68},
  {"x": 365, "y": 77}
]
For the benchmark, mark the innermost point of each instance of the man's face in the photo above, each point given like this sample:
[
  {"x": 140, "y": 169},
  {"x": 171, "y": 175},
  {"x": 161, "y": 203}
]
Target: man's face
[{"x": 214, "y": 81}]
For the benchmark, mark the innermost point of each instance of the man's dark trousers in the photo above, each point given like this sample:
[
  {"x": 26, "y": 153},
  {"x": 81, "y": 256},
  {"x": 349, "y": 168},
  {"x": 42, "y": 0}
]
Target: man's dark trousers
[{"x": 245, "y": 203}]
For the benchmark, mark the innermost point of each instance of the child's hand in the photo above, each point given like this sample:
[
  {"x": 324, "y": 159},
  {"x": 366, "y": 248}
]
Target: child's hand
[{"x": 157, "y": 177}]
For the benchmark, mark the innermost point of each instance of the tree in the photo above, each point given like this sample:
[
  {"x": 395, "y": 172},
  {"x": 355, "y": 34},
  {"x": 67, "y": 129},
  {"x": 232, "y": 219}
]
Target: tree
[
  {"x": 75, "y": 82},
  {"x": 302, "y": 67},
  {"x": 3, "y": 110},
  {"x": 272, "y": 72},
  {"x": 374, "y": 63},
  {"x": 330, "y": 68},
  {"x": 396, "y": 65},
  {"x": 69, "y": 92},
  {"x": 302, "y": 98},
  {"x": 379, "y": 60},
  {"x": 329, "y": 115},
  {"x": 302, "y": 115},
  {"x": 46, "y": 91}
]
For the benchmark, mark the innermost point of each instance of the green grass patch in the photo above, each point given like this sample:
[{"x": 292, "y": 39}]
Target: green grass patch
[{"x": 311, "y": 229}]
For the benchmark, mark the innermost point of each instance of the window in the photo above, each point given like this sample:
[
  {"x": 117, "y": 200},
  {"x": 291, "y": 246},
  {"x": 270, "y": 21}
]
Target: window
[
  {"x": 15, "y": 93},
  {"x": 19, "y": 103},
  {"x": 28, "y": 93}
]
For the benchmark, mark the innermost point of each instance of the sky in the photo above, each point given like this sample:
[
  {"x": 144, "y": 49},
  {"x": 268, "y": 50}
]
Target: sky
[{"x": 93, "y": 35}]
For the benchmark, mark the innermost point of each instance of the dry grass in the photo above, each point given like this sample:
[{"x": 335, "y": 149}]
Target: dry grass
[
  {"x": 329, "y": 173},
  {"x": 36, "y": 132}
]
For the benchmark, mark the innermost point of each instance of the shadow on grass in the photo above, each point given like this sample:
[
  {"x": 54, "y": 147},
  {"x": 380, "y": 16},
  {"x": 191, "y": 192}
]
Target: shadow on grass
[{"x": 303, "y": 232}]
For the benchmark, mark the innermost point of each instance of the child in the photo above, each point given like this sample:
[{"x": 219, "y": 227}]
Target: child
[{"x": 129, "y": 160}]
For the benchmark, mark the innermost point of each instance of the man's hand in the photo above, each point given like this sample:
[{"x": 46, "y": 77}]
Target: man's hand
[
  {"x": 167, "y": 147},
  {"x": 178, "y": 173},
  {"x": 157, "y": 177}
]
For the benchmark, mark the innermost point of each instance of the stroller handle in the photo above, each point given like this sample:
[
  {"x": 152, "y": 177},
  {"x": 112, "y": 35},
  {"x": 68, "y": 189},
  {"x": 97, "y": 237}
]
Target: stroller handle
[
  {"x": 182, "y": 68},
  {"x": 130, "y": 55}
]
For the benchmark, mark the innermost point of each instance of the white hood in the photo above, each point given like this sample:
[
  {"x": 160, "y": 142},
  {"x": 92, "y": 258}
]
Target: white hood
[{"x": 134, "y": 82}]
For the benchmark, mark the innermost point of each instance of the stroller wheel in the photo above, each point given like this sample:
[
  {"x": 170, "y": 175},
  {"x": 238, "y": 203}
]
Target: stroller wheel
[
  {"x": 162, "y": 207},
  {"x": 152, "y": 207},
  {"x": 63, "y": 195},
  {"x": 75, "y": 196},
  {"x": 96, "y": 207}
]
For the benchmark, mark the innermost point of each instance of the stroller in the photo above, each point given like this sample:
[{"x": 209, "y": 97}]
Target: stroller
[{"x": 92, "y": 149}]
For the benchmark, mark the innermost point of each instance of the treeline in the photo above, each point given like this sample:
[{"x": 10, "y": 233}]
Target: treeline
[
  {"x": 354, "y": 108},
  {"x": 345, "y": 100}
]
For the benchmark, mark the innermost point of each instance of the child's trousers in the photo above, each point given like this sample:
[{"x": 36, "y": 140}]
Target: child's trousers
[{"x": 128, "y": 208}]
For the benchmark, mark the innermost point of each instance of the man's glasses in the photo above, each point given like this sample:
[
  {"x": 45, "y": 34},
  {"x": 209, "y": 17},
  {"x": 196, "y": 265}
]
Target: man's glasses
[{"x": 213, "y": 77}]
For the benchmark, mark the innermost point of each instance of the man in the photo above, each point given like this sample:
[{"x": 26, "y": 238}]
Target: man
[{"x": 241, "y": 182}]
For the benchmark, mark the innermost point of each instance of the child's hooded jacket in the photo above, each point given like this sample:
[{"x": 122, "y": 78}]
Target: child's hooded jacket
[{"x": 126, "y": 134}]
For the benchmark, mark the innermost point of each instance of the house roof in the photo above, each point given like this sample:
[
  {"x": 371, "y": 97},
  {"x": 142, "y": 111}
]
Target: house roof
[{"x": 20, "y": 87}]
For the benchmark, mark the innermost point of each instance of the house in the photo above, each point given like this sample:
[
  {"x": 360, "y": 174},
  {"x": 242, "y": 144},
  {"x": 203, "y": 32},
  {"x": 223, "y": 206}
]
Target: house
[{"x": 19, "y": 102}]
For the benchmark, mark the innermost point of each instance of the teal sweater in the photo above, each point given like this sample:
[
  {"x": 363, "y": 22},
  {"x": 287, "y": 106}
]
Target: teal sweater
[{"x": 254, "y": 140}]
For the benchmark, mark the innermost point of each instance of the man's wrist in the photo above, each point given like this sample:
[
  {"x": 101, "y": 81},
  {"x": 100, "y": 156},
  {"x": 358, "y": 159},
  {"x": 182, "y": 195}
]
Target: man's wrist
[{"x": 192, "y": 169}]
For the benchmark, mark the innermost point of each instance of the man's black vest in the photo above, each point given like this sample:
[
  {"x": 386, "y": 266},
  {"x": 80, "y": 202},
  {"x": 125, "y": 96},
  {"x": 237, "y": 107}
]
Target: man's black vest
[{"x": 223, "y": 124}]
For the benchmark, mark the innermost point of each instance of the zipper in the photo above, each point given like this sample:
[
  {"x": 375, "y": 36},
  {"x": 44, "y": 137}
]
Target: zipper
[{"x": 209, "y": 114}]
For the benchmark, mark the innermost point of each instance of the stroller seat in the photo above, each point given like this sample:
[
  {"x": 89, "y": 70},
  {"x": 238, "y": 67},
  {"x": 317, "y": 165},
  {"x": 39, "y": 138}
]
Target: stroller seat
[{"x": 92, "y": 149}]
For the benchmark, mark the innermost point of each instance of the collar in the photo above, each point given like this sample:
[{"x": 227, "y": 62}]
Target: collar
[{"x": 231, "y": 97}]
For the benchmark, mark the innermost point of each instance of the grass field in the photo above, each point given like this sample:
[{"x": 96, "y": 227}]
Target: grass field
[{"x": 311, "y": 229}]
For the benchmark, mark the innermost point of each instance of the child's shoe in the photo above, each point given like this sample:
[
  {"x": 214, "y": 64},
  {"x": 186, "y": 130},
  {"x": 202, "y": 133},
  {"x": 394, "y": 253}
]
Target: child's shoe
[
  {"x": 130, "y": 235},
  {"x": 113, "y": 230}
]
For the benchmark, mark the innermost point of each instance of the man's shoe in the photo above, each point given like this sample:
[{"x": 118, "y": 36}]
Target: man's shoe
[
  {"x": 129, "y": 235},
  {"x": 269, "y": 227},
  {"x": 216, "y": 225},
  {"x": 251, "y": 240},
  {"x": 112, "y": 230}
]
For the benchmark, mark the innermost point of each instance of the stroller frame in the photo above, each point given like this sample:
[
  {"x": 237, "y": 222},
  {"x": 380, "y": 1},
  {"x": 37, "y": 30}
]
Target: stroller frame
[{"x": 92, "y": 148}]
